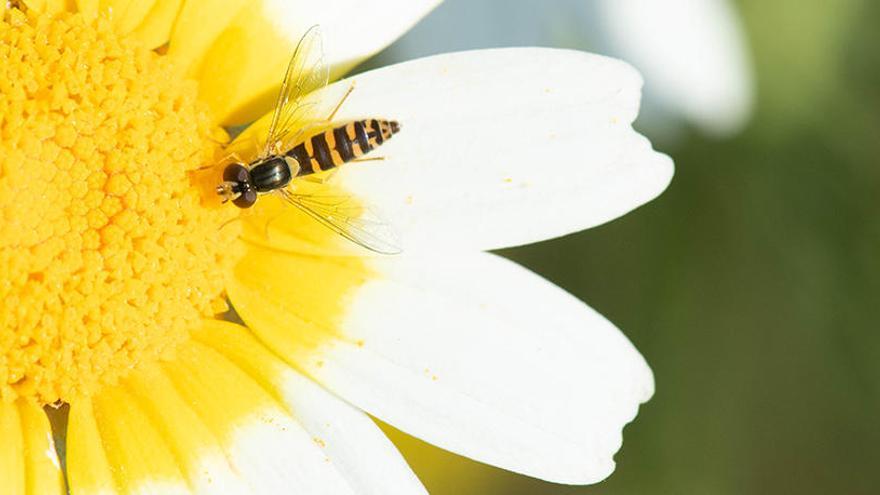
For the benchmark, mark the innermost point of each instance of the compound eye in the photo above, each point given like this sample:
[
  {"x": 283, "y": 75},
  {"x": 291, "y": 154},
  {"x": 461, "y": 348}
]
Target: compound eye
[
  {"x": 246, "y": 199},
  {"x": 236, "y": 173}
]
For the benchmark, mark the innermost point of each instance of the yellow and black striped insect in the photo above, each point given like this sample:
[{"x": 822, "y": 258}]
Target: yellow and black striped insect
[{"x": 292, "y": 151}]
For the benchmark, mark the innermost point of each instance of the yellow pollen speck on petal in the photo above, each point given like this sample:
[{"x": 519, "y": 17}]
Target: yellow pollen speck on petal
[{"x": 108, "y": 258}]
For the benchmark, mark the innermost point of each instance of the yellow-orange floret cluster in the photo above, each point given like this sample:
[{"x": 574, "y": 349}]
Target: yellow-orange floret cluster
[{"x": 107, "y": 257}]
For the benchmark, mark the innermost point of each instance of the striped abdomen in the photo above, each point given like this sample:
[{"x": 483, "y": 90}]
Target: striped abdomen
[{"x": 342, "y": 144}]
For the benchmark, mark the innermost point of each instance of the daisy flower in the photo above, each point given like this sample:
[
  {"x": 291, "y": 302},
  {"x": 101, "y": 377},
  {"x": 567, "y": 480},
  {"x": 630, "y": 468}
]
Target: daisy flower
[
  {"x": 693, "y": 54},
  {"x": 114, "y": 262}
]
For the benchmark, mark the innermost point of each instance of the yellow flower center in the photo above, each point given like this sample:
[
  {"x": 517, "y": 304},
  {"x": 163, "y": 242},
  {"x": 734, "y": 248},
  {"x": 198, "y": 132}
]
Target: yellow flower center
[{"x": 108, "y": 259}]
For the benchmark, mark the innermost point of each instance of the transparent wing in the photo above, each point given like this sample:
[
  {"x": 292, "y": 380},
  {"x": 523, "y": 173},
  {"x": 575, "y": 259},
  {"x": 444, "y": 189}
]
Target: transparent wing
[
  {"x": 306, "y": 72},
  {"x": 344, "y": 216}
]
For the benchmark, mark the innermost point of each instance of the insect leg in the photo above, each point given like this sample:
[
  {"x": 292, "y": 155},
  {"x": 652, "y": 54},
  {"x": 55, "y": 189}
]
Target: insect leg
[
  {"x": 339, "y": 105},
  {"x": 217, "y": 141},
  {"x": 325, "y": 177},
  {"x": 234, "y": 156},
  {"x": 231, "y": 220},
  {"x": 268, "y": 223}
]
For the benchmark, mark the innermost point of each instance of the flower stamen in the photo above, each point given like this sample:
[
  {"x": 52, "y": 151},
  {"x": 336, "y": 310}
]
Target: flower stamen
[{"x": 108, "y": 258}]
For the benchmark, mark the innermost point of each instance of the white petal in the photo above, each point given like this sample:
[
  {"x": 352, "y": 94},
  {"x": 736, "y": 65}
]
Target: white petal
[
  {"x": 502, "y": 147},
  {"x": 352, "y": 442},
  {"x": 693, "y": 55},
  {"x": 357, "y": 447},
  {"x": 473, "y": 354},
  {"x": 353, "y": 29},
  {"x": 269, "y": 449},
  {"x": 197, "y": 425},
  {"x": 277, "y": 456},
  {"x": 240, "y": 52}
]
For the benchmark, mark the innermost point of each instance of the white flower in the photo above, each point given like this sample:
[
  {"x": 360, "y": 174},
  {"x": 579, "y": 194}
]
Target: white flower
[
  {"x": 693, "y": 53},
  {"x": 451, "y": 344}
]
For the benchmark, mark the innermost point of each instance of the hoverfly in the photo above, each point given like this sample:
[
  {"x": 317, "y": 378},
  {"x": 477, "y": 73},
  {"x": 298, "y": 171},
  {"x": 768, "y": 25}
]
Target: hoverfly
[{"x": 292, "y": 151}]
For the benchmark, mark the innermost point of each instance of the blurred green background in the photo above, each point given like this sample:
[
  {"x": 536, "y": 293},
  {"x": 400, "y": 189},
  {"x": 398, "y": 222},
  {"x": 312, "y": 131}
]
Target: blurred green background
[{"x": 751, "y": 286}]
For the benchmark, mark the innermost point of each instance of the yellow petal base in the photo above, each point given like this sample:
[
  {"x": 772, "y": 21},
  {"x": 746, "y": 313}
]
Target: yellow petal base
[
  {"x": 185, "y": 426},
  {"x": 28, "y": 463},
  {"x": 296, "y": 303}
]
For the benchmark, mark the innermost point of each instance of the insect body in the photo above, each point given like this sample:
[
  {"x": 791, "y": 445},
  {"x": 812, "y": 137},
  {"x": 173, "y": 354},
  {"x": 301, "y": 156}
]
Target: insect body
[
  {"x": 290, "y": 152},
  {"x": 341, "y": 145},
  {"x": 318, "y": 153}
]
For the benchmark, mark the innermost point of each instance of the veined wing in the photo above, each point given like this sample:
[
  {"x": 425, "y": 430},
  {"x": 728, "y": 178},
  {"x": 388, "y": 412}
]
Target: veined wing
[
  {"x": 343, "y": 215},
  {"x": 306, "y": 72}
]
